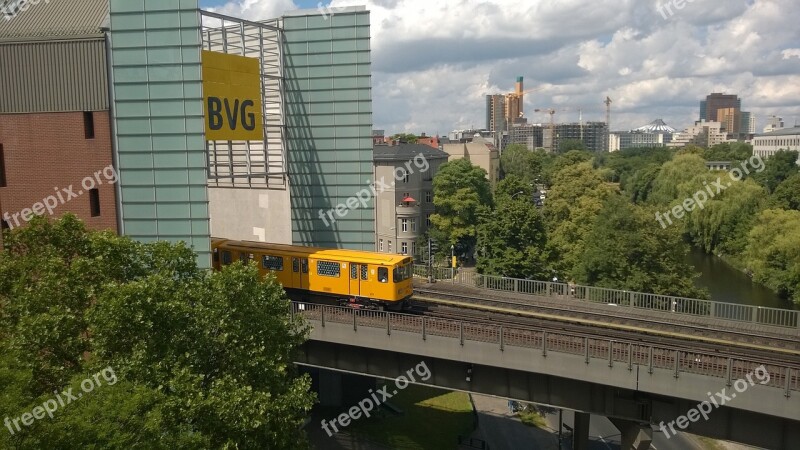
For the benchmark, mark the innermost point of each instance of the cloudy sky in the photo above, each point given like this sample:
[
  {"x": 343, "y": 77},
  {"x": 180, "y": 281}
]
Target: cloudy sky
[{"x": 433, "y": 61}]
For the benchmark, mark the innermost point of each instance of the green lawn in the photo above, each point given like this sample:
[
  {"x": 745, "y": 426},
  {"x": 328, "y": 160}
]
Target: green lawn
[{"x": 432, "y": 419}]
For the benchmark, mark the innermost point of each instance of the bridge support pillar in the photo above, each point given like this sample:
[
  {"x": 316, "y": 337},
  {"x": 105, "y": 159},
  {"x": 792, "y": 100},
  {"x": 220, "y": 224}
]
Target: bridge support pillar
[
  {"x": 580, "y": 433},
  {"x": 330, "y": 388},
  {"x": 634, "y": 435}
]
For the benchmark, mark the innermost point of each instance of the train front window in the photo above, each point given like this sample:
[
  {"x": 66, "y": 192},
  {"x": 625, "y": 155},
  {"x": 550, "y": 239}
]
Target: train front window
[
  {"x": 383, "y": 274},
  {"x": 402, "y": 273}
]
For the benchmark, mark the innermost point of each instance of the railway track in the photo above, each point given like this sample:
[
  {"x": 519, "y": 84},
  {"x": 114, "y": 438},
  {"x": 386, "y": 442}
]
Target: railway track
[{"x": 514, "y": 313}]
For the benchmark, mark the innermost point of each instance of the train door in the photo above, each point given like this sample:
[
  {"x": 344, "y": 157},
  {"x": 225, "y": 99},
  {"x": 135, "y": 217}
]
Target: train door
[
  {"x": 304, "y": 278},
  {"x": 355, "y": 283},
  {"x": 297, "y": 278}
]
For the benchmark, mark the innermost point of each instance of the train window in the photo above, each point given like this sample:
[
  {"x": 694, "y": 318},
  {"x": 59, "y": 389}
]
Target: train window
[
  {"x": 226, "y": 258},
  {"x": 243, "y": 257},
  {"x": 383, "y": 274},
  {"x": 272, "y": 263},
  {"x": 295, "y": 265},
  {"x": 402, "y": 273},
  {"x": 328, "y": 269},
  {"x": 353, "y": 271},
  {"x": 216, "y": 255},
  {"x": 304, "y": 265},
  {"x": 364, "y": 272}
]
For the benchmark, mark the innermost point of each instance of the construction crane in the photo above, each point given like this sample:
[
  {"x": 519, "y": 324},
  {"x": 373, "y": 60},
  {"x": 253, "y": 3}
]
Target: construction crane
[
  {"x": 608, "y": 122},
  {"x": 520, "y": 96}
]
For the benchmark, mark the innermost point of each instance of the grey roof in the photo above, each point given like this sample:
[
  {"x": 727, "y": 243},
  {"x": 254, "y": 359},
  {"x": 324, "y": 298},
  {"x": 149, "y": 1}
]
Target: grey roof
[
  {"x": 782, "y": 132},
  {"x": 56, "y": 18},
  {"x": 406, "y": 152}
]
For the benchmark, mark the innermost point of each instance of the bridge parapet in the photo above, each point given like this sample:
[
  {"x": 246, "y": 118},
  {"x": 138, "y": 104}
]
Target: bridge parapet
[
  {"x": 660, "y": 370},
  {"x": 732, "y": 312}
]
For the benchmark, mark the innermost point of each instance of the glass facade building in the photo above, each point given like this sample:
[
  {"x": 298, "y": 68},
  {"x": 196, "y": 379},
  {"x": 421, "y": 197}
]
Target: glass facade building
[
  {"x": 329, "y": 125},
  {"x": 319, "y": 104},
  {"x": 157, "y": 106}
]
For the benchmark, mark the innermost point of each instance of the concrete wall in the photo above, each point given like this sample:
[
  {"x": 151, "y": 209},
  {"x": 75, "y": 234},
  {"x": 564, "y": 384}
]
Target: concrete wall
[{"x": 251, "y": 214}]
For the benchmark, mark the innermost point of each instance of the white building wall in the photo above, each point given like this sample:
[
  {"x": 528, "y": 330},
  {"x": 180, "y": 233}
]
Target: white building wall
[
  {"x": 765, "y": 146},
  {"x": 260, "y": 215}
]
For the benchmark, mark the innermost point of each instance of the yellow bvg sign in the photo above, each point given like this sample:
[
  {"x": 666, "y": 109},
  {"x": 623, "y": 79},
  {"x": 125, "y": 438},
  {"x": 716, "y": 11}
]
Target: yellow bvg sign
[{"x": 232, "y": 91}]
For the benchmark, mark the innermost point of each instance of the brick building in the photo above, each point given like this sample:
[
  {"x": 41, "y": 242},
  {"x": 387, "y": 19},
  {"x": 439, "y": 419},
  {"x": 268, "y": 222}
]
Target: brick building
[{"x": 55, "y": 136}]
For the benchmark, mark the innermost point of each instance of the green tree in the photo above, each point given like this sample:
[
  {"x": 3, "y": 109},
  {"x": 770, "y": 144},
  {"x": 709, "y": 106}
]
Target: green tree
[
  {"x": 568, "y": 145},
  {"x": 773, "y": 251},
  {"x": 512, "y": 241},
  {"x": 641, "y": 183},
  {"x": 682, "y": 168},
  {"x": 729, "y": 151},
  {"x": 205, "y": 357},
  {"x": 461, "y": 195},
  {"x": 512, "y": 186},
  {"x": 777, "y": 168},
  {"x": 526, "y": 164},
  {"x": 555, "y": 164},
  {"x": 721, "y": 226},
  {"x": 627, "y": 249},
  {"x": 573, "y": 202},
  {"x": 787, "y": 194},
  {"x": 406, "y": 137}
]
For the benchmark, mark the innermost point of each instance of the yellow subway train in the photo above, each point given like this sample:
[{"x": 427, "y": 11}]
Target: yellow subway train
[{"x": 348, "y": 277}]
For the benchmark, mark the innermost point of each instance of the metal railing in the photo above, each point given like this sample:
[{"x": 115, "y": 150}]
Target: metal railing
[
  {"x": 592, "y": 348},
  {"x": 784, "y": 318}
]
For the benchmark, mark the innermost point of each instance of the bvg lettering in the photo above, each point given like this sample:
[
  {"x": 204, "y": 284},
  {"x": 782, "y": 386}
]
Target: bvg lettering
[{"x": 232, "y": 113}]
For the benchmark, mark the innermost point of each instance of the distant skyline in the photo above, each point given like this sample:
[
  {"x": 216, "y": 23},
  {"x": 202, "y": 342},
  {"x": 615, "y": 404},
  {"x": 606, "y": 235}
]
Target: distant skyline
[{"x": 434, "y": 62}]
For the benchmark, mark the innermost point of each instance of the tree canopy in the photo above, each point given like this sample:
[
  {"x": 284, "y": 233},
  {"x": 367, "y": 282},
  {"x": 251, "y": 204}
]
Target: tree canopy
[
  {"x": 512, "y": 240},
  {"x": 777, "y": 168},
  {"x": 204, "y": 360},
  {"x": 525, "y": 164},
  {"x": 461, "y": 194},
  {"x": 626, "y": 249},
  {"x": 773, "y": 251}
]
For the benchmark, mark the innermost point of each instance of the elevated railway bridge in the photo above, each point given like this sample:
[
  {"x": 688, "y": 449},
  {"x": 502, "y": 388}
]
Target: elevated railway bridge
[{"x": 649, "y": 360}]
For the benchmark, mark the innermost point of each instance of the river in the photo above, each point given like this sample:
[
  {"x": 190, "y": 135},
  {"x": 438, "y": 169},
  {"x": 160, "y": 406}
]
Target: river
[{"x": 727, "y": 284}]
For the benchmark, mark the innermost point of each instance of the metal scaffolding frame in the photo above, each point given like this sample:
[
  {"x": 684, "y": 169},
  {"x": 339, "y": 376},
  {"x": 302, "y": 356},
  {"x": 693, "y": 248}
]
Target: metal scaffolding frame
[{"x": 250, "y": 164}]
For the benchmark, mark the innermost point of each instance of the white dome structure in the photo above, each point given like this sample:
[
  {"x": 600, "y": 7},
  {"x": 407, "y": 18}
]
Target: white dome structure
[{"x": 657, "y": 126}]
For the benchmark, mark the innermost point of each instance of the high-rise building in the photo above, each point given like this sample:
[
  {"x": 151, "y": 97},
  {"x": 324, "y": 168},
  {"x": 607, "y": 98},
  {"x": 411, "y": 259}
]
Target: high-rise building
[
  {"x": 594, "y": 135},
  {"x": 716, "y": 101},
  {"x": 496, "y": 112},
  {"x": 503, "y": 111},
  {"x": 531, "y": 136},
  {"x": 727, "y": 110},
  {"x": 514, "y": 103},
  {"x": 748, "y": 125}
]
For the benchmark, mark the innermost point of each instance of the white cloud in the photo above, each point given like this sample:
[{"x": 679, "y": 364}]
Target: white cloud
[{"x": 433, "y": 61}]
